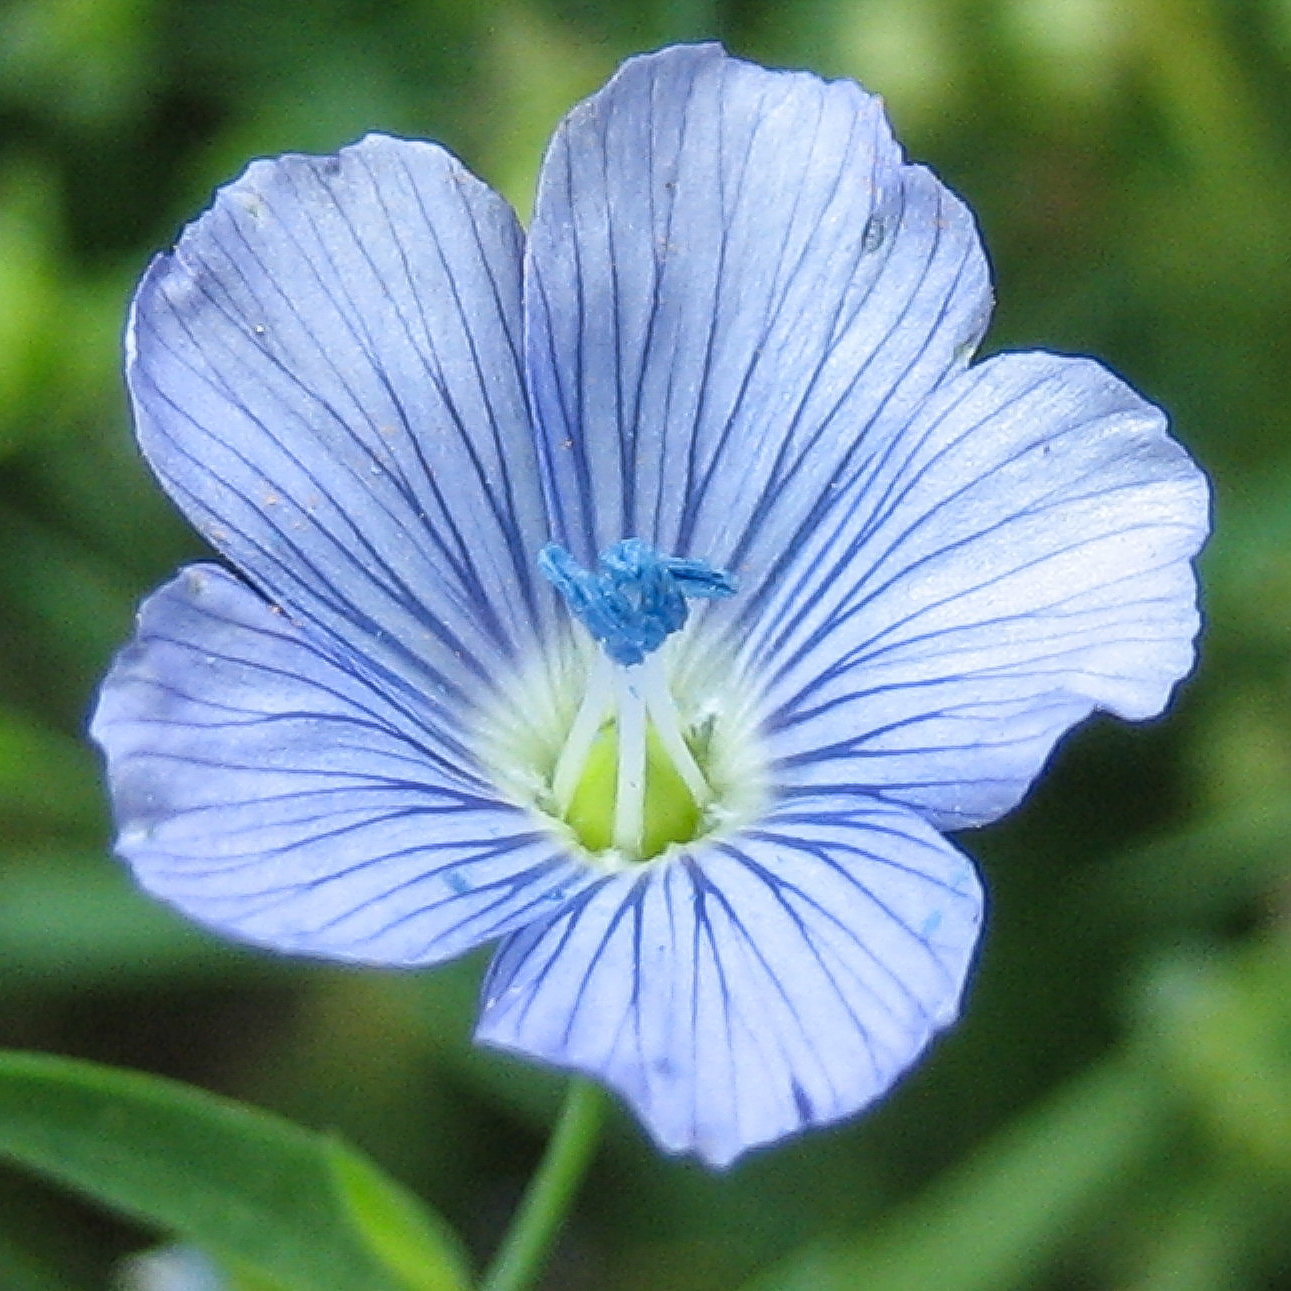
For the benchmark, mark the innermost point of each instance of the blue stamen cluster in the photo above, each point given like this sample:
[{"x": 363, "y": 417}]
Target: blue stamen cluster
[{"x": 637, "y": 598}]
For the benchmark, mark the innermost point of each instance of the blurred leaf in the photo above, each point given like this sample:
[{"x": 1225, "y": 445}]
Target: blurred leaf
[
  {"x": 908, "y": 48},
  {"x": 1204, "y": 1243},
  {"x": 442, "y": 1007},
  {"x": 30, "y": 290},
  {"x": 1070, "y": 50},
  {"x": 1222, "y": 1025},
  {"x": 1212, "y": 105},
  {"x": 538, "y": 72},
  {"x": 997, "y": 1219},
  {"x": 82, "y": 60},
  {"x": 1195, "y": 878},
  {"x": 68, "y": 920},
  {"x": 23, "y": 1271},
  {"x": 66, "y": 611},
  {"x": 47, "y": 778},
  {"x": 414, "y": 1242},
  {"x": 251, "y": 1188}
]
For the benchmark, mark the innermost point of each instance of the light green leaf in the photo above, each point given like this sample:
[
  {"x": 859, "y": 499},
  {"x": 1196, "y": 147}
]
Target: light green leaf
[
  {"x": 257, "y": 1192},
  {"x": 1221, "y": 1027},
  {"x": 413, "y": 1241}
]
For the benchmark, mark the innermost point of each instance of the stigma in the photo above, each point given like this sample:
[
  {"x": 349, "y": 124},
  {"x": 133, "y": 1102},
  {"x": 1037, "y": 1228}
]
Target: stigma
[{"x": 636, "y": 599}]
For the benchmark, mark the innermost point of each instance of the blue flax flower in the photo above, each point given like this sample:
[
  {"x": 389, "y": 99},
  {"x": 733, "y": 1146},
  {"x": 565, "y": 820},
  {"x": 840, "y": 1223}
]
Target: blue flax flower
[{"x": 648, "y": 593}]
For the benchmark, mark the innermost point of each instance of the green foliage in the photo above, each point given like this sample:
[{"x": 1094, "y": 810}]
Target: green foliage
[
  {"x": 417, "y": 1246},
  {"x": 274, "y": 1201},
  {"x": 994, "y": 1222}
]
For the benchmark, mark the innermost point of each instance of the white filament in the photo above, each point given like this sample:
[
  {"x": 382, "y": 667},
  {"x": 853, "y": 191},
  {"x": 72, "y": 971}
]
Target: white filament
[
  {"x": 597, "y": 698},
  {"x": 629, "y": 799},
  {"x": 667, "y": 723}
]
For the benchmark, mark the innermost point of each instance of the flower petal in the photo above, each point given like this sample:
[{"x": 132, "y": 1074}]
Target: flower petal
[
  {"x": 325, "y": 375},
  {"x": 1018, "y": 558},
  {"x": 268, "y": 791},
  {"x": 754, "y": 987},
  {"x": 734, "y": 288}
]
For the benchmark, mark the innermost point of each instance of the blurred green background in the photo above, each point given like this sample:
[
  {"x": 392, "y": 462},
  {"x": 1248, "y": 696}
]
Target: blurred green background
[{"x": 1115, "y": 1110}]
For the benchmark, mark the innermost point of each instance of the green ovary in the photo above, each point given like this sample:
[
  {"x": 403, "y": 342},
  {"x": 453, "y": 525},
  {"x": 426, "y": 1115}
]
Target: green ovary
[{"x": 670, "y": 814}]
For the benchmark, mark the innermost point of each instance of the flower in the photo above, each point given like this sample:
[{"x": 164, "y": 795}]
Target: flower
[{"x": 649, "y": 593}]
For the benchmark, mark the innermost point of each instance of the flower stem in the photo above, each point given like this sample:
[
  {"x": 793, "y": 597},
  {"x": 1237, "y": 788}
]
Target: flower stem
[{"x": 524, "y": 1251}]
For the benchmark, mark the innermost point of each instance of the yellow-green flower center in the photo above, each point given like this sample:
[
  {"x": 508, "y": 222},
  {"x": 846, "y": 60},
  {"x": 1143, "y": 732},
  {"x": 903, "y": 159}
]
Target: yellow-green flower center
[
  {"x": 627, "y": 764},
  {"x": 670, "y": 813},
  {"x": 645, "y": 745}
]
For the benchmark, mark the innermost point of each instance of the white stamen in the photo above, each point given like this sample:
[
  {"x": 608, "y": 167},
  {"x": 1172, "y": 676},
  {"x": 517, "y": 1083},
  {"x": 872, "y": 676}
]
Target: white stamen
[
  {"x": 597, "y": 698},
  {"x": 629, "y": 801},
  {"x": 667, "y": 723}
]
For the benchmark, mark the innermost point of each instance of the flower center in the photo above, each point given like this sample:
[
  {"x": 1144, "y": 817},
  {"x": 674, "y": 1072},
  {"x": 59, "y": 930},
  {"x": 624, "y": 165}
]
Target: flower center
[
  {"x": 631, "y": 782},
  {"x": 627, "y": 778},
  {"x": 669, "y": 810},
  {"x": 631, "y": 748}
]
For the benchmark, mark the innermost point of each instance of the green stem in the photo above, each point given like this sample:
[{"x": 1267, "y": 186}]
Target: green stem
[{"x": 528, "y": 1242}]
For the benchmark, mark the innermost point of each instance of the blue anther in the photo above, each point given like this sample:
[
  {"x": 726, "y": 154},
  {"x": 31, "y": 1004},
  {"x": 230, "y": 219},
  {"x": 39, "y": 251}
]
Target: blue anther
[{"x": 637, "y": 599}]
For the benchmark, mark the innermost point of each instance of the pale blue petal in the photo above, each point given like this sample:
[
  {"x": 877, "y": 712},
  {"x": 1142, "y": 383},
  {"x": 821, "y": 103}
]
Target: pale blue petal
[
  {"x": 749, "y": 989},
  {"x": 325, "y": 375},
  {"x": 747, "y": 325},
  {"x": 1018, "y": 558},
  {"x": 735, "y": 290},
  {"x": 269, "y": 792}
]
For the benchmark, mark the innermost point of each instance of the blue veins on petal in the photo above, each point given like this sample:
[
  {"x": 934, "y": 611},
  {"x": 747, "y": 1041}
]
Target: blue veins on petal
[
  {"x": 267, "y": 789},
  {"x": 645, "y": 592},
  {"x": 800, "y": 946}
]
